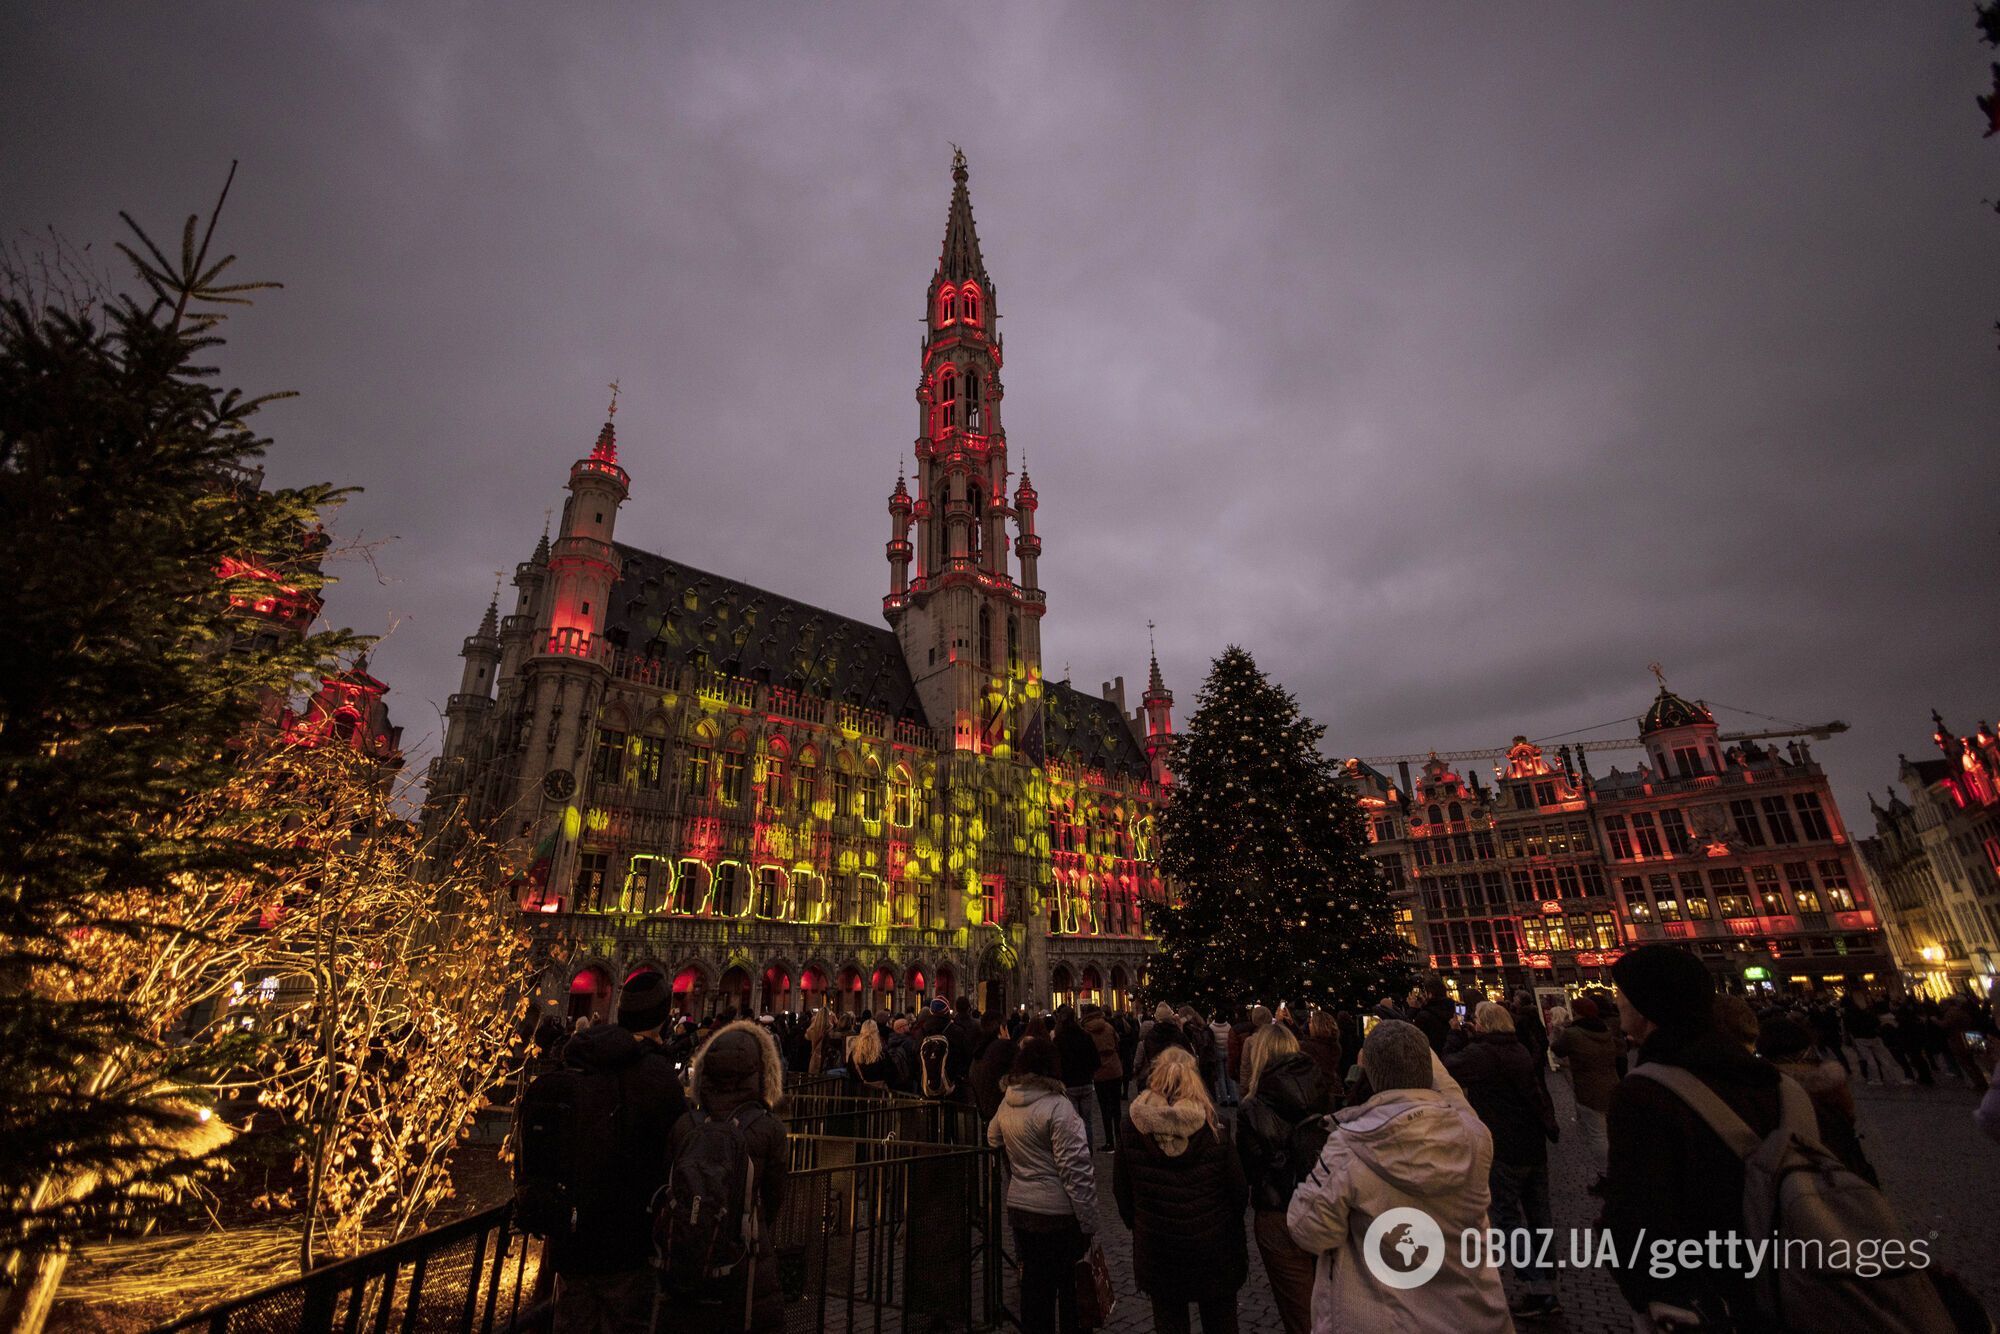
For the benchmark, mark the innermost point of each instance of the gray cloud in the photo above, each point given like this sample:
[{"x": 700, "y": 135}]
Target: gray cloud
[{"x": 1459, "y": 360}]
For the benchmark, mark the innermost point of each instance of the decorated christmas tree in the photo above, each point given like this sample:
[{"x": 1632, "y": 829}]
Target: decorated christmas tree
[{"x": 1278, "y": 899}]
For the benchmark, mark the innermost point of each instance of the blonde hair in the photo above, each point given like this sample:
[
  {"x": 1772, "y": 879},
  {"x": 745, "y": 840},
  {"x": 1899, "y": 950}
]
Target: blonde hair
[
  {"x": 1493, "y": 1017},
  {"x": 1266, "y": 1045},
  {"x": 867, "y": 1048},
  {"x": 1176, "y": 1078}
]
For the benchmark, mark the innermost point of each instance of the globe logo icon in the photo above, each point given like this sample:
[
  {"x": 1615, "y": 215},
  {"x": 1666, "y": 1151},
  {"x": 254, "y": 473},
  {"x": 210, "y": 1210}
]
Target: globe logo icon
[{"x": 1403, "y": 1248}]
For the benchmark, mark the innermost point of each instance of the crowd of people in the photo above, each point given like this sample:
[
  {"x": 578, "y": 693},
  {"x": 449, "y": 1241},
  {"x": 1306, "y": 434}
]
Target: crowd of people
[{"x": 1290, "y": 1128}]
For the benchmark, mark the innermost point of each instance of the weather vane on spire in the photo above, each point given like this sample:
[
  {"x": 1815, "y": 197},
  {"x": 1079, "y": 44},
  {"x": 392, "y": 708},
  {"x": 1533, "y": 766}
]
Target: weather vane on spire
[
  {"x": 1659, "y": 673},
  {"x": 614, "y": 398},
  {"x": 1149, "y": 640}
]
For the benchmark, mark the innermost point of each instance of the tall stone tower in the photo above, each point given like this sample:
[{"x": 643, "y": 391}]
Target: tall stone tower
[
  {"x": 564, "y": 660},
  {"x": 970, "y": 631}
]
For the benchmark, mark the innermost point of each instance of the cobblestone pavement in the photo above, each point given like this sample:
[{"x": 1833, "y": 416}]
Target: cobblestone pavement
[{"x": 1939, "y": 1172}]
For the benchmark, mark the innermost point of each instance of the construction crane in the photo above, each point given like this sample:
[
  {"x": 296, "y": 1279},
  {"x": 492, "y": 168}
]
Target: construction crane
[{"x": 1819, "y": 733}]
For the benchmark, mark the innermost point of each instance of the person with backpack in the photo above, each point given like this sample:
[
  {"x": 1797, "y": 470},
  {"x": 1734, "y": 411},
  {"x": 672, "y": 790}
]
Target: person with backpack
[
  {"x": 1280, "y": 1130},
  {"x": 1051, "y": 1186},
  {"x": 591, "y": 1152},
  {"x": 1708, "y": 1140},
  {"x": 715, "y": 1221},
  {"x": 1415, "y": 1143}
]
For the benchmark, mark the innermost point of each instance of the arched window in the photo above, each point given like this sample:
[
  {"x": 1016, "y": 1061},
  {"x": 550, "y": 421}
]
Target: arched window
[
  {"x": 1437, "y": 815},
  {"x": 973, "y": 417},
  {"x": 902, "y": 799},
  {"x": 1013, "y": 642},
  {"x": 947, "y": 398},
  {"x": 968, "y": 304},
  {"x": 1457, "y": 811},
  {"x": 974, "y": 534},
  {"x": 985, "y": 637},
  {"x": 947, "y": 305}
]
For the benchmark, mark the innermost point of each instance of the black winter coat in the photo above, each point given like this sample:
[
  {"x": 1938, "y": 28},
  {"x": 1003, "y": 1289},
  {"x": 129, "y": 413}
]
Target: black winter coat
[
  {"x": 987, "y": 1071},
  {"x": 1079, "y": 1055},
  {"x": 1158, "y": 1038},
  {"x": 1290, "y": 1090},
  {"x": 653, "y": 1109},
  {"x": 1501, "y": 1083},
  {"x": 1434, "y": 1018},
  {"x": 1185, "y": 1210},
  {"x": 1671, "y": 1175}
]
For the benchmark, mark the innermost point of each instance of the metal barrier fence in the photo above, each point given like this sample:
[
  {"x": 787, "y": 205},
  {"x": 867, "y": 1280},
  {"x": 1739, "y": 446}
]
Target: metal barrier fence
[
  {"x": 478, "y": 1274},
  {"x": 896, "y": 1117},
  {"x": 890, "y": 1235},
  {"x": 891, "y": 1222}
]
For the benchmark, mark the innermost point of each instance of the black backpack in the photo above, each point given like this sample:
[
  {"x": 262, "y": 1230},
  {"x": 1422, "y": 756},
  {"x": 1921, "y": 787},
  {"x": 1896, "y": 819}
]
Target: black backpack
[
  {"x": 933, "y": 1060},
  {"x": 705, "y": 1219},
  {"x": 1303, "y": 1147},
  {"x": 564, "y": 1177}
]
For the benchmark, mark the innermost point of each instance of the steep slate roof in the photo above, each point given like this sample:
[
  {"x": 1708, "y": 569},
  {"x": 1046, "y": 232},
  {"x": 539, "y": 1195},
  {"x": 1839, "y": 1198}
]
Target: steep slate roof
[
  {"x": 761, "y": 636},
  {"x": 1090, "y": 731}
]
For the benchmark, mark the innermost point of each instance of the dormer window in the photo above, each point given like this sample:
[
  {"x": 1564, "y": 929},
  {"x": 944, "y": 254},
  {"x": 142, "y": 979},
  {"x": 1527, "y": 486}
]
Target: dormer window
[
  {"x": 968, "y": 304},
  {"x": 947, "y": 305}
]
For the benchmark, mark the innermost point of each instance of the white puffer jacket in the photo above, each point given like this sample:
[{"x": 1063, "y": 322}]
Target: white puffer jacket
[
  {"x": 1405, "y": 1148},
  {"x": 1048, "y": 1156}
]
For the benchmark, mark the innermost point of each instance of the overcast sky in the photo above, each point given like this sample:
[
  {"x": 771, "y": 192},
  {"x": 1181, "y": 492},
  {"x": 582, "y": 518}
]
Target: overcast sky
[{"x": 1456, "y": 360}]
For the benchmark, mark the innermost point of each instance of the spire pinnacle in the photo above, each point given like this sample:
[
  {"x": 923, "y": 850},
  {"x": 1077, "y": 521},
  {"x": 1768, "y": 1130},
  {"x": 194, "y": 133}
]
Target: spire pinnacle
[
  {"x": 489, "y": 624},
  {"x": 542, "y": 547},
  {"x": 960, "y": 259},
  {"x": 1156, "y": 686}
]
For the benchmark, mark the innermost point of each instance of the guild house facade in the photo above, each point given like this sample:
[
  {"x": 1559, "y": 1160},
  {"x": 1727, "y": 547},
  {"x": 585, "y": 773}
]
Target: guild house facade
[
  {"x": 1547, "y": 876},
  {"x": 781, "y": 807}
]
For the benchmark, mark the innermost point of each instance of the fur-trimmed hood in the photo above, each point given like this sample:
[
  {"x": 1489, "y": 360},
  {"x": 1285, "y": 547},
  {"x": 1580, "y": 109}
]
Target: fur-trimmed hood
[
  {"x": 1171, "y": 1124},
  {"x": 738, "y": 1064}
]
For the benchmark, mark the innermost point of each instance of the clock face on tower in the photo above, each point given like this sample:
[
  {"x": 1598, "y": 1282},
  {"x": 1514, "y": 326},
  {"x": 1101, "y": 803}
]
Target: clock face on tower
[{"x": 559, "y": 784}]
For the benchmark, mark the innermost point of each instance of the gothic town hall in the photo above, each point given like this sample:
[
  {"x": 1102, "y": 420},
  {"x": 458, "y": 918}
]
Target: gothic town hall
[{"x": 781, "y": 807}]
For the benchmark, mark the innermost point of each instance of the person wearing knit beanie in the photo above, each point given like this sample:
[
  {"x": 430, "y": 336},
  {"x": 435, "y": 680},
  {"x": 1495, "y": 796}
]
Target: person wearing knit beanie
[
  {"x": 644, "y": 1002},
  {"x": 1663, "y": 986}
]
